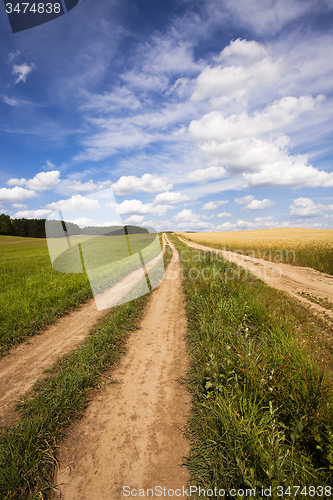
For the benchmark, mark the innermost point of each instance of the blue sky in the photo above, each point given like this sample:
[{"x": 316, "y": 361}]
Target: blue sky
[{"x": 202, "y": 115}]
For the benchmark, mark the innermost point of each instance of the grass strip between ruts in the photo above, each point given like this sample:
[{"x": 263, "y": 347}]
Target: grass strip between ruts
[
  {"x": 262, "y": 404},
  {"x": 27, "y": 450}
]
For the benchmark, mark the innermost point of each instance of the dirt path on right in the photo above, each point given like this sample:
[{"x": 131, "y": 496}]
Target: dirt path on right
[{"x": 292, "y": 279}]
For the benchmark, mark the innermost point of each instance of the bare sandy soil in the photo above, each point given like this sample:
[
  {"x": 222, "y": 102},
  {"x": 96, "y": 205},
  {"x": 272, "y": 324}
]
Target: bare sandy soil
[
  {"x": 291, "y": 279},
  {"x": 23, "y": 365},
  {"x": 132, "y": 431}
]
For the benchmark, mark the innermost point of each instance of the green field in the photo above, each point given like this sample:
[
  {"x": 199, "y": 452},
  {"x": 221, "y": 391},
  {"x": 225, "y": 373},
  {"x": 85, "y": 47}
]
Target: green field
[{"x": 33, "y": 295}]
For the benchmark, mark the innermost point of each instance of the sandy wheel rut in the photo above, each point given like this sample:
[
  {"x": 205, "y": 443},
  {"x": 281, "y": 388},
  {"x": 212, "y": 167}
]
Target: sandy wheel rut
[{"x": 132, "y": 431}]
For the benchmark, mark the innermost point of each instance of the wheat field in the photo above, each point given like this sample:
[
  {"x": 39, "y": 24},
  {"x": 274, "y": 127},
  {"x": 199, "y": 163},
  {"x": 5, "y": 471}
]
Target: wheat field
[{"x": 298, "y": 246}]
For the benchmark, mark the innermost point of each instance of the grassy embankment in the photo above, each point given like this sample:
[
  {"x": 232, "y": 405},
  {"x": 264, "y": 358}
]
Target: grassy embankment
[
  {"x": 298, "y": 246},
  {"x": 28, "y": 449},
  {"x": 34, "y": 295},
  {"x": 262, "y": 397}
]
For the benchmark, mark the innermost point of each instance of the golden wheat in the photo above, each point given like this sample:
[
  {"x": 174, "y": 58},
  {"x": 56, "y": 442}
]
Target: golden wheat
[{"x": 300, "y": 246}]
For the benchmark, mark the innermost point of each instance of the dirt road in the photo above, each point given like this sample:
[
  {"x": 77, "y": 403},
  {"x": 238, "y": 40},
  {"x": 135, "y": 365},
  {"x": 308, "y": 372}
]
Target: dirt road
[
  {"x": 131, "y": 434},
  {"x": 291, "y": 279},
  {"x": 23, "y": 365}
]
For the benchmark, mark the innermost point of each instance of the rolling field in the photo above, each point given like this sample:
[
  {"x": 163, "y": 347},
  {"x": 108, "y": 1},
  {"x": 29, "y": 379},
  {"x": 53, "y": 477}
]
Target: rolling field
[{"x": 297, "y": 246}]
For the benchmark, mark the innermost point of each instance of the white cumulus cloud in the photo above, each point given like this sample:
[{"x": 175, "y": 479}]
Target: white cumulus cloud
[
  {"x": 190, "y": 220},
  {"x": 248, "y": 49},
  {"x": 305, "y": 207},
  {"x": 168, "y": 197},
  {"x": 226, "y": 226},
  {"x": 19, "y": 205},
  {"x": 89, "y": 186},
  {"x": 15, "y": 194},
  {"x": 252, "y": 204},
  {"x": 43, "y": 180},
  {"x": 244, "y": 200},
  {"x": 137, "y": 207},
  {"x": 135, "y": 219},
  {"x": 16, "y": 182},
  {"x": 224, "y": 214},
  {"x": 33, "y": 214},
  {"x": 76, "y": 202},
  {"x": 258, "y": 204},
  {"x": 148, "y": 183}
]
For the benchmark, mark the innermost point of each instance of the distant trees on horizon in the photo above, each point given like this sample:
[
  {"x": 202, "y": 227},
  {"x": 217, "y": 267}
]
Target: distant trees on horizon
[
  {"x": 35, "y": 228},
  {"x": 30, "y": 228}
]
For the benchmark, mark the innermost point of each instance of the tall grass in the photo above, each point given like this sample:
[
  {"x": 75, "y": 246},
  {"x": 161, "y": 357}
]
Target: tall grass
[
  {"x": 297, "y": 246},
  {"x": 262, "y": 405}
]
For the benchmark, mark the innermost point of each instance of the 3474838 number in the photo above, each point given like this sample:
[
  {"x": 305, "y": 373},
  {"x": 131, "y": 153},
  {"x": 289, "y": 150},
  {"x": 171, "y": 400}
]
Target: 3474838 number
[
  {"x": 39, "y": 8},
  {"x": 309, "y": 491}
]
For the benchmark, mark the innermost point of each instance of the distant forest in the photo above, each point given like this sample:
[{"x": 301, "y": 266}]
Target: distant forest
[{"x": 35, "y": 228}]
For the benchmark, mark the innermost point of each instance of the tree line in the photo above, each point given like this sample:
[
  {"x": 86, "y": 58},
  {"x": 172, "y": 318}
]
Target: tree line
[
  {"x": 31, "y": 228},
  {"x": 35, "y": 228}
]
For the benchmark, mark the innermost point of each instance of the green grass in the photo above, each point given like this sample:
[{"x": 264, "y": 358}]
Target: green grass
[
  {"x": 33, "y": 295},
  {"x": 28, "y": 449},
  {"x": 262, "y": 402}
]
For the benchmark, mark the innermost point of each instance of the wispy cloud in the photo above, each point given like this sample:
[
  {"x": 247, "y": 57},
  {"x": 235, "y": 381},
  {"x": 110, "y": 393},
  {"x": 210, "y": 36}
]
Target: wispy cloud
[
  {"x": 22, "y": 71},
  {"x": 252, "y": 204},
  {"x": 212, "y": 205}
]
